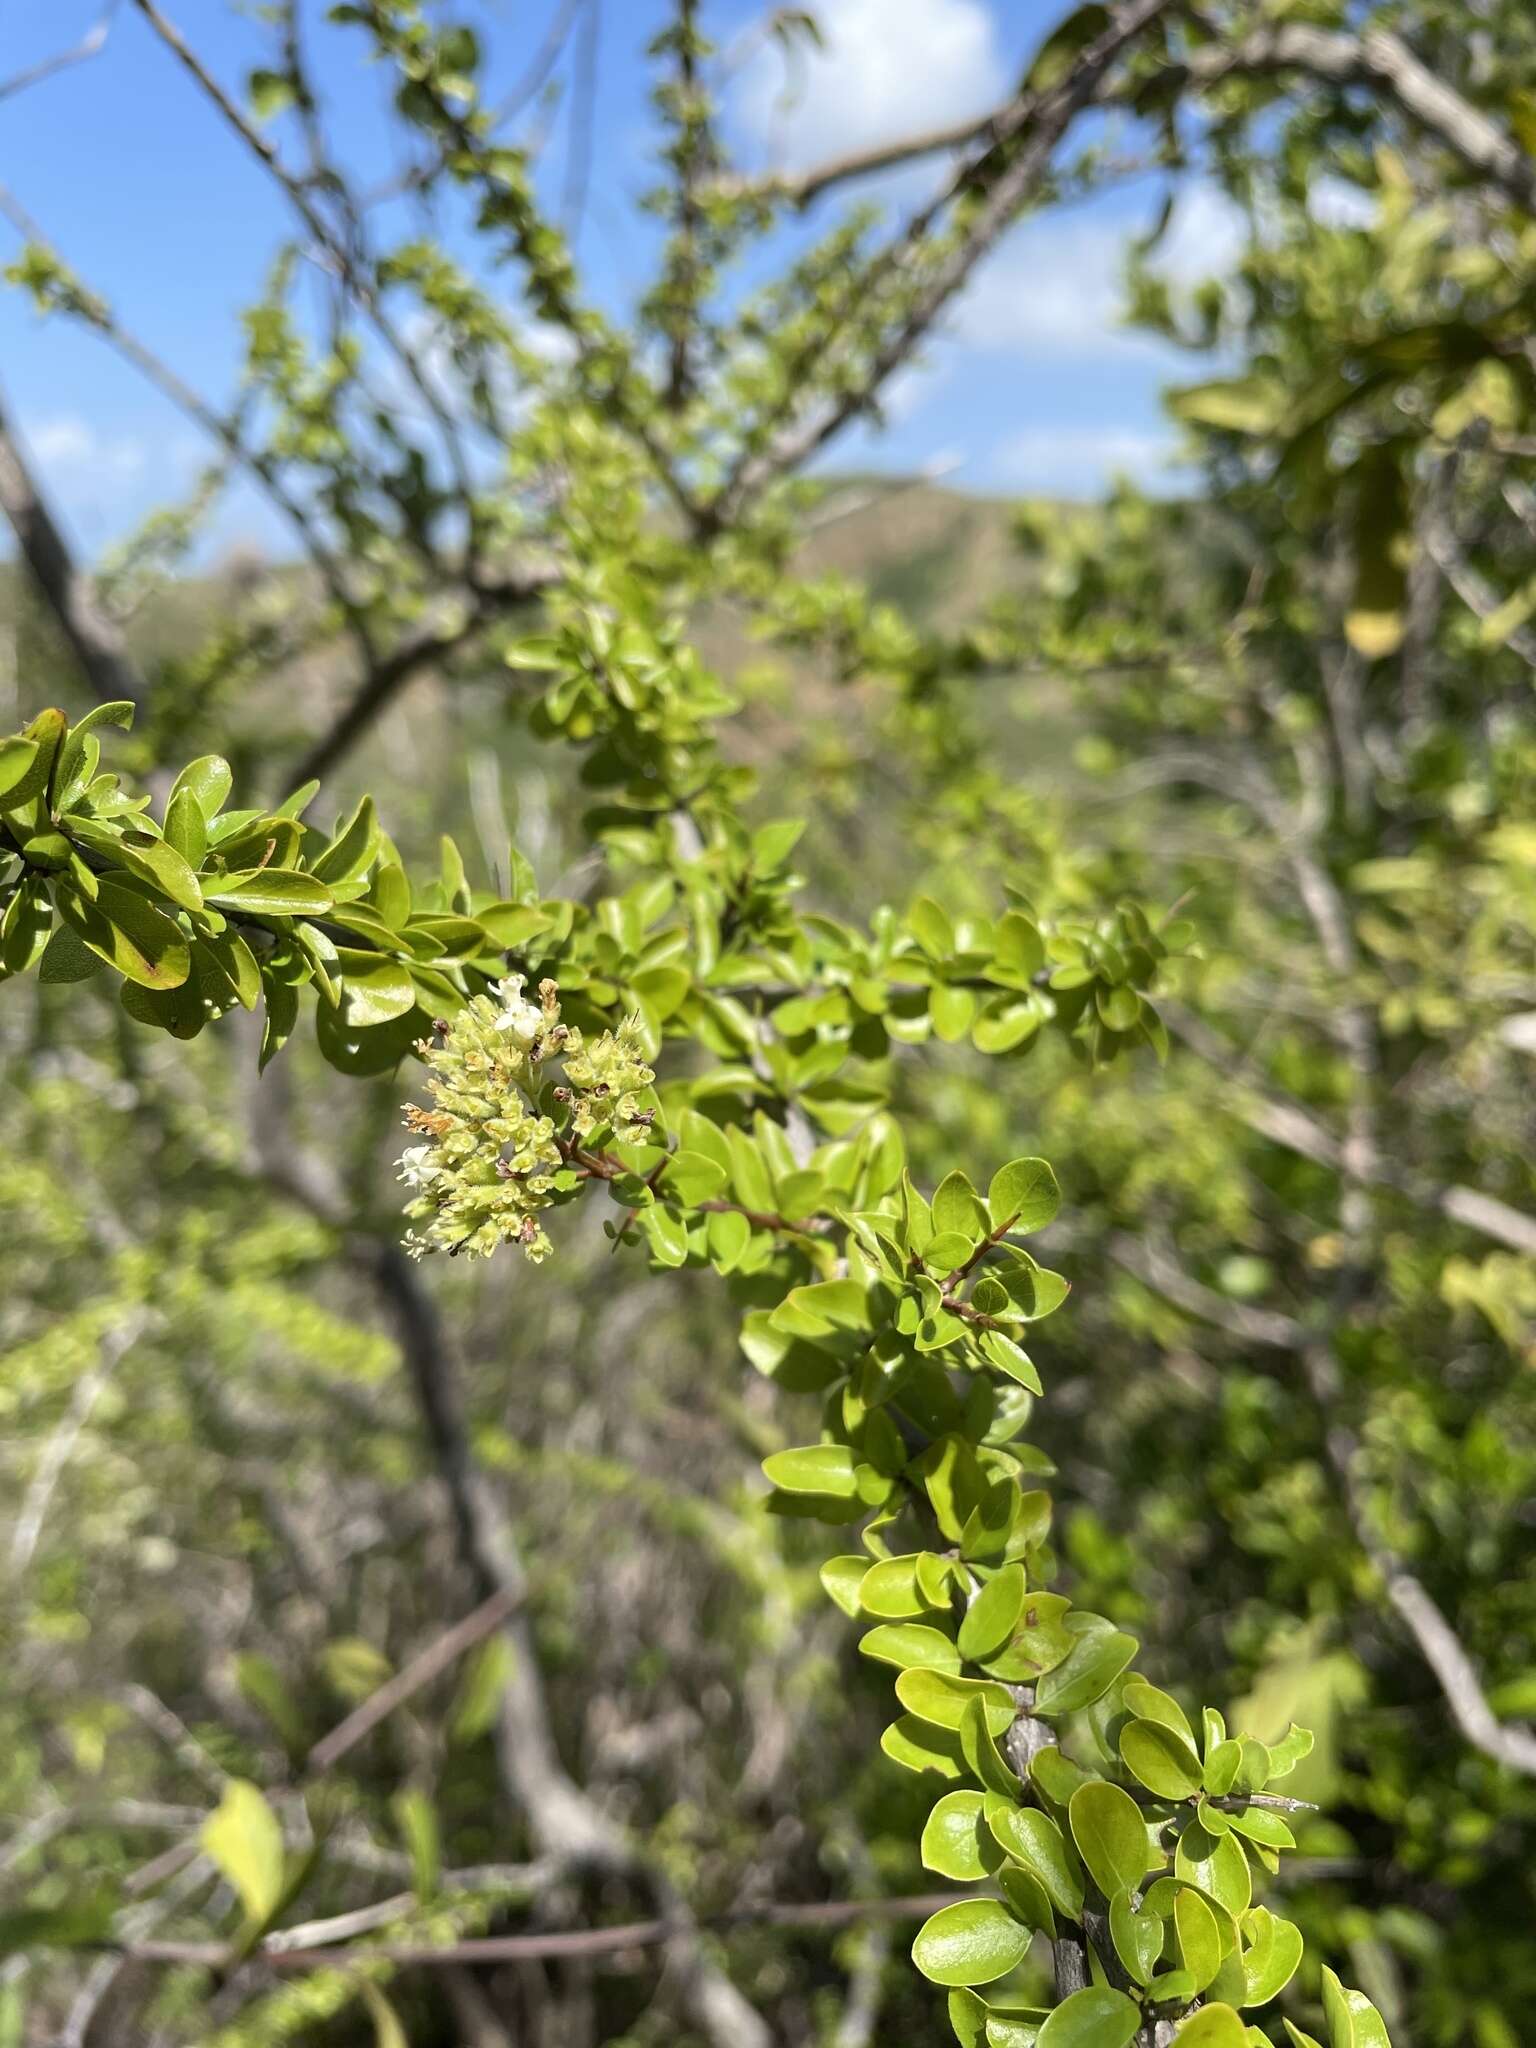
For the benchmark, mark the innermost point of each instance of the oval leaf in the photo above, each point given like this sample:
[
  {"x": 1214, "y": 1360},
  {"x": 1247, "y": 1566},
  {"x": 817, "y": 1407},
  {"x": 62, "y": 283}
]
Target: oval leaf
[
  {"x": 1023, "y": 1195},
  {"x": 1214, "y": 2026},
  {"x": 972, "y": 1943},
  {"x": 956, "y": 1841},
  {"x": 1111, "y": 1836},
  {"x": 993, "y": 1615},
  {"x": 1094, "y": 2018},
  {"x": 1161, "y": 1759}
]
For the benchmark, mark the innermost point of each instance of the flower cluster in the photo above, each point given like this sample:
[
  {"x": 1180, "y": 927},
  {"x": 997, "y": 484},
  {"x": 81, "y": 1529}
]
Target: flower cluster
[{"x": 499, "y": 1143}]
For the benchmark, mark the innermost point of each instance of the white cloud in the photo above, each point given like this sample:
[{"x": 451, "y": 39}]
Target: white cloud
[
  {"x": 1054, "y": 288},
  {"x": 1080, "y": 461},
  {"x": 71, "y": 444},
  {"x": 887, "y": 67}
]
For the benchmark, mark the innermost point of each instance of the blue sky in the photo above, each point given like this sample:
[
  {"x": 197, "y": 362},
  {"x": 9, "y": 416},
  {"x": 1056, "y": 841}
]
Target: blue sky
[{"x": 1031, "y": 387}]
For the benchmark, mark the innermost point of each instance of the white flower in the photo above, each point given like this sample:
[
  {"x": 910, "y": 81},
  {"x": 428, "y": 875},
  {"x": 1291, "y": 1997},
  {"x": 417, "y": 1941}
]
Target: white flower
[
  {"x": 415, "y": 1167},
  {"x": 520, "y": 1019}
]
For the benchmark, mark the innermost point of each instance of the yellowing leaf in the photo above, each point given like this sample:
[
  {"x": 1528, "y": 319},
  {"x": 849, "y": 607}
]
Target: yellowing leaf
[{"x": 244, "y": 1839}]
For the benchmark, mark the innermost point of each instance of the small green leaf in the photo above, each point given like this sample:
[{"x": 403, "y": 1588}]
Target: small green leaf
[
  {"x": 820, "y": 1307},
  {"x": 144, "y": 856},
  {"x": 1285, "y": 1754},
  {"x": 1222, "y": 1760},
  {"x": 981, "y": 1752},
  {"x": 953, "y": 1010},
  {"x": 841, "y": 1578},
  {"x": 910, "y": 1646},
  {"x": 269, "y": 892},
  {"x": 1012, "y": 1359},
  {"x": 79, "y": 752},
  {"x": 993, "y": 1615},
  {"x": 691, "y": 1178},
  {"x": 958, "y": 1207},
  {"x": 271, "y": 93},
  {"x": 66, "y": 957},
  {"x": 1095, "y": 1662},
  {"x": 1033, "y": 1839},
  {"x": 1137, "y": 1936},
  {"x": 374, "y": 988},
  {"x": 814, "y": 1468},
  {"x": 1160, "y": 1758},
  {"x": 18, "y": 768},
  {"x": 25, "y": 924},
  {"x": 186, "y": 829},
  {"x": 352, "y": 850},
  {"x": 416, "y": 1818},
  {"x": 956, "y": 1841},
  {"x": 1040, "y": 1642},
  {"x": 372, "y": 1049},
  {"x": 1353, "y": 2022},
  {"x": 1217, "y": 1865},
  {"x": 1259, "y": 1825},
  {"x": 931, "y": 928},
  {"x": 1053, "y": 60},
  {"x": 773, "y": 844},
  {"x": 668, "y": 1237},
  {"x": 973, "y": 1942},
  {"x": 1110, "y": 1835},
  {"x": 129, "y": 932},
  {"x": 968, "y": 2017},
  {"x": 1023, "y": 1195},
  {"x": 1272, "y": 1956},
  {"x": 1199, "y": 1937},
  {"x": 1096, "y": 2017},
  {"x": 892, "y": 1589},
  {"x": 1213, "y": 2026},
  {"x": 1148, "y": 1703},
  {"x": 919, "y": 1746},
  {"x": 944, "y": 1698},
  {"x": 243, "y": 1838},
  {"x": 207, "y": 779}
]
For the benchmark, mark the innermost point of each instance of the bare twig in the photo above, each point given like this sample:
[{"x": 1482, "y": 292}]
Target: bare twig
[
  {"x": 70, "y": 594},
  {"x": 567, "y": 1826},
  {"x": 1506, "y": 1743},
  {"x": 1286, "y": 1123},
  {"x": 57, "y": 1451},
  {"x": 176, "y": 1735},
  {"x": 1377, "y": 60},
  {"x": 1387, "y": 66},
  {"x": 217, "y": 426},
  {"x": 1473, "y": 588},
  {"x": 1032, "y": 126},
  {"x": 566, "y": 1943},
  {"x": 350, "y": 264},
  {"x": 578, "y": 165},
  {"x": 436, "y": 1658},
  {"x": 90, "y": 45},
  {"x": 387, "y": 675}
]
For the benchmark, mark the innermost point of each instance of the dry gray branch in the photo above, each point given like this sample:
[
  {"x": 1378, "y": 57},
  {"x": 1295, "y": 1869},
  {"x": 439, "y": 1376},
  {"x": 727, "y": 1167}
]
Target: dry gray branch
[
  {"x": 1506, "y": 1743},
  {"x": 69, "y": 593},
  {"x": 1377, "y": 60}
]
